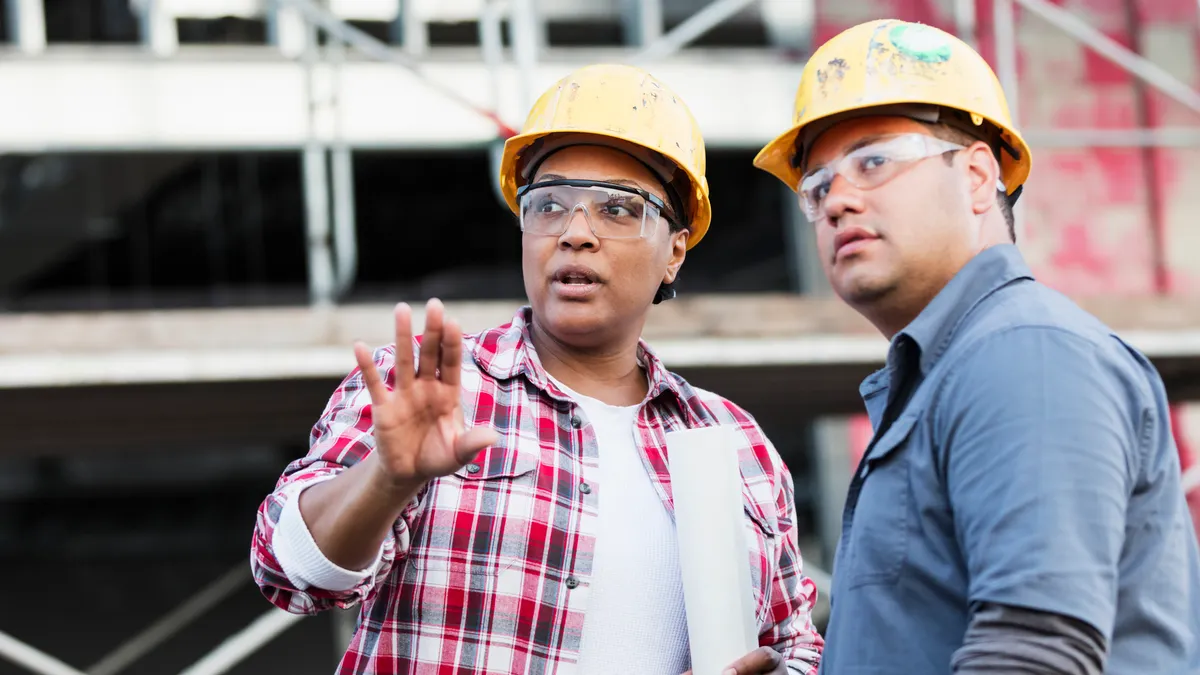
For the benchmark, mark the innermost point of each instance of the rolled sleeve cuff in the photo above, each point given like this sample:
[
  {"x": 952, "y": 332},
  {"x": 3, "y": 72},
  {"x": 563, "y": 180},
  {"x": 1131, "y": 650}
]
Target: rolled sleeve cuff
[{"x": 300, "y": 557}]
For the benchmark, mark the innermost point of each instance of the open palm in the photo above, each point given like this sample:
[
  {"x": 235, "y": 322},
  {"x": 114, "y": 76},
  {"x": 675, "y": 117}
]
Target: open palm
[{"x": 419, "y": 430}]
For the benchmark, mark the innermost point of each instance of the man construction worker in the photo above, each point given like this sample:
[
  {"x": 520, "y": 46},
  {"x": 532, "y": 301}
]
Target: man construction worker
[
  {"x": 1018, "y": 508},
  {"x": 500, "y": 502}
]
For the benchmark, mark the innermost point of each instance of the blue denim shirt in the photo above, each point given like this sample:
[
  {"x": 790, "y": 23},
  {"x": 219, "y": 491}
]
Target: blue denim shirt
[{"x": 1025, "y": 459}]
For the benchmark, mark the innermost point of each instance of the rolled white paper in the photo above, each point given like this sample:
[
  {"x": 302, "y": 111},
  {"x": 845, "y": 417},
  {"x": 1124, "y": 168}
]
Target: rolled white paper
[{"x": 713, "y": 556}]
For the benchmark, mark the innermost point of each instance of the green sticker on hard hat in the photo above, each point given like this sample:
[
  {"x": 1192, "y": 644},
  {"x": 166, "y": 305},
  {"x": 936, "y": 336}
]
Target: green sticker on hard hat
[{"x": 921, "y": 43}]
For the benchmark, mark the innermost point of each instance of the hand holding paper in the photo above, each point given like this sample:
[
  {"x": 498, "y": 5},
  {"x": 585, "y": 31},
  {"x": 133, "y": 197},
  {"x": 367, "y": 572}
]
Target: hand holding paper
[{"x": 761, "y": 661}]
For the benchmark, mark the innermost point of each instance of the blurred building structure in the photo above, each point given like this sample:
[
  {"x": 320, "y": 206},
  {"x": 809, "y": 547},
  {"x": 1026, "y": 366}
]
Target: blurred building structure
[{"x": 204, "y": 202}]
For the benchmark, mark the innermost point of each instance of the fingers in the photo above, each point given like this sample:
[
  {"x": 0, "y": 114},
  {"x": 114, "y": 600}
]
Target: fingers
[
  {"x": 758, "y": 662},
  {"x": 431, "y": 341},
  {"x": 402, "y": 374},
  {"x": 451, "y": 368},
  {"x": 468, "y": 444},
  {"x": 362, "y": 354}
]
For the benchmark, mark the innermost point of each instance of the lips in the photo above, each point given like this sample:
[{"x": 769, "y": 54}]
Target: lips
[
  {"x": 851, "y": 240},
  {"x": 575, "y": 282},
  {"x": 577, "y": 275}
]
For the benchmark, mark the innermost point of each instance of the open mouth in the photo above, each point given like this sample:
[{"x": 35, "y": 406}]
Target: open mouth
[
  {"x": 575, "y": 282},
  {"x": 576, "y": 277}
]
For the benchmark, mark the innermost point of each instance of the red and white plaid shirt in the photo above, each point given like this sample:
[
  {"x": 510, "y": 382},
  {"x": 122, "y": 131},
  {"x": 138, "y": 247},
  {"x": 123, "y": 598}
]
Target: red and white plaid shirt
[{"x": 487, "y": 570}]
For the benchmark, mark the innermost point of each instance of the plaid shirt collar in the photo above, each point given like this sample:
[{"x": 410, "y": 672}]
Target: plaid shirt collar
[{"x": 507, "y": 351}]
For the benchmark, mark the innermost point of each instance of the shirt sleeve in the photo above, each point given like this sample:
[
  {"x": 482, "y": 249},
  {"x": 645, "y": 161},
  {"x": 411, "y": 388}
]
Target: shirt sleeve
[
  {"x": 287, "y": 566},
  {"x": 789, "y": 628},
  {"x": 1041, "y": 431},
  {"x": 1003, "y": 639}
]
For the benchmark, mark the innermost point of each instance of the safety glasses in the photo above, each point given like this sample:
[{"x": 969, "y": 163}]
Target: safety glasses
[
  {"x": 869, "y": 167},
  {"x": 612, "y": 211}
]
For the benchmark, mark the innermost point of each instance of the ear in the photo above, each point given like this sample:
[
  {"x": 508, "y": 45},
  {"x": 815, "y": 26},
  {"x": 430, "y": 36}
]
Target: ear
[
  {"x": 983, "y": 172},
  {"x": 678, "y": 244}
]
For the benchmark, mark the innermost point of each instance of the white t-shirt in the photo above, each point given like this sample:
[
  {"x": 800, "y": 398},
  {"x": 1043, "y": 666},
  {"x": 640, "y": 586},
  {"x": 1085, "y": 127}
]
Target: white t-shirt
[{"x": 635, "y": 621}]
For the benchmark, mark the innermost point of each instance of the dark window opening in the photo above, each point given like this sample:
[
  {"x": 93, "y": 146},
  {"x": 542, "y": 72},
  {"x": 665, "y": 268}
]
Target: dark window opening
[
  {"x": 141, "y": 230},
  {"x": 223, "y": 30},
  {"x": 91, "y": 21},
  {"x": 161, "y": 230}
]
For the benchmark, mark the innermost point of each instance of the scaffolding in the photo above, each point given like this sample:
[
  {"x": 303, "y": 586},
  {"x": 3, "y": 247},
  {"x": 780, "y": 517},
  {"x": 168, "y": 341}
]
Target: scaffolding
[{"x": 295, "y": 26}]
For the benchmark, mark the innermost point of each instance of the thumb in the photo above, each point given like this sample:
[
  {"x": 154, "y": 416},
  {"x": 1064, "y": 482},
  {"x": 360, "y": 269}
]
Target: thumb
[{"x": 469, "y": 443}]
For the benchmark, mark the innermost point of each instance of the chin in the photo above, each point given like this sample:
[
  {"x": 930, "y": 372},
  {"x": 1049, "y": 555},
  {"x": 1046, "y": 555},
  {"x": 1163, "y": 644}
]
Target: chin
[
  {"x": 860, "y": 290},
  {"x": 566, "y": 319}
]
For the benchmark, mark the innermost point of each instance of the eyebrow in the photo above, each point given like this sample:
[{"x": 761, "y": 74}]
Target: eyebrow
[{"x": 856, "y": 145}]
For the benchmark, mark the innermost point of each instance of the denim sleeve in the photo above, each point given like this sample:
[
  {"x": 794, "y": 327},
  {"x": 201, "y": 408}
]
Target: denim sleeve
[{"x": 1041, "y": 430}]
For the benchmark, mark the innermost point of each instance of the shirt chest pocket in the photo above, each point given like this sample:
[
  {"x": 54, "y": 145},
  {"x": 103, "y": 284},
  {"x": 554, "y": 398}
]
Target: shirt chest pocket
[
  {"x": 479, "y": 519},
  {"x": 877, "y": 540}
]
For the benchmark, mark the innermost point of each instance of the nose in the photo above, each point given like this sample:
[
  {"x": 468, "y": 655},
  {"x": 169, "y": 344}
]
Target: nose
[
  {"x": 842, "y": 198},
  {"x": 579, "y": 232}
]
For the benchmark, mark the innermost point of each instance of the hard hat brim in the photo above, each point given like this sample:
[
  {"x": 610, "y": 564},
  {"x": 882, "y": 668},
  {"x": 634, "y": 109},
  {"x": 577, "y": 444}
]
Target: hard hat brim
[{"x": 776, "y": 157}]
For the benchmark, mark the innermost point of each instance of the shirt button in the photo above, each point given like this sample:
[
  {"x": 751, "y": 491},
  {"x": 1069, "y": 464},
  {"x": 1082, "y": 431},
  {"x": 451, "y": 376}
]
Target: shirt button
[
  {"x": 472, "y": 468},
  {"x": 572, "y": 582},
  {"x": 576, "y": 422},
  {"x": 585, "y": 488}
]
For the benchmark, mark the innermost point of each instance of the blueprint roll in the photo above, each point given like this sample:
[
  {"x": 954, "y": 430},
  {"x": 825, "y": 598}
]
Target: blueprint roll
[{"x": 713, "y": 554}]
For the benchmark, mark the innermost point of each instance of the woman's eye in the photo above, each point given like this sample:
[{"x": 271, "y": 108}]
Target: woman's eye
[{"x": 549, "y": 207}]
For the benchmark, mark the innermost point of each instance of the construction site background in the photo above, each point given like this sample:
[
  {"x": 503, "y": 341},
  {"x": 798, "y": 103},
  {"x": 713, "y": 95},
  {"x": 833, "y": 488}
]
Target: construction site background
[{"x": 204, "y": 202}]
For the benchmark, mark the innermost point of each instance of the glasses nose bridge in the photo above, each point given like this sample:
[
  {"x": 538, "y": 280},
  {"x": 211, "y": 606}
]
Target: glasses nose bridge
[{"x": 569, "y": 219}]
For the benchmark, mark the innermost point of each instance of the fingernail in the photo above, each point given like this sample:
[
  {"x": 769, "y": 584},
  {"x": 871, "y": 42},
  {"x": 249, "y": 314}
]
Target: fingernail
[{"x": 730, "y": 671}]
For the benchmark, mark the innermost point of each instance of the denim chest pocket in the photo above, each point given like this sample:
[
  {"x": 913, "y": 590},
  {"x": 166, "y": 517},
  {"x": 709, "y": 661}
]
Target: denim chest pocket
[{"x": 878, "y": 536}]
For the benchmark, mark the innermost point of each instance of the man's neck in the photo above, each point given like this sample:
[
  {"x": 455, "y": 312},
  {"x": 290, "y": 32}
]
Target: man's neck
[{"x": 610, "y": 374}]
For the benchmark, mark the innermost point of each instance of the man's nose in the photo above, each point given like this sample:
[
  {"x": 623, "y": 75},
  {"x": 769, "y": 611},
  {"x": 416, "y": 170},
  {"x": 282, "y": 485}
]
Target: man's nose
[{"x": 842, "y": 198}]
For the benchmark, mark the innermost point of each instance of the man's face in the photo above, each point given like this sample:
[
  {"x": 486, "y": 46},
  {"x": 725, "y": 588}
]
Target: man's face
[
  {"x": 896, "y": 241},
  {"x": 583, "y": 287}
]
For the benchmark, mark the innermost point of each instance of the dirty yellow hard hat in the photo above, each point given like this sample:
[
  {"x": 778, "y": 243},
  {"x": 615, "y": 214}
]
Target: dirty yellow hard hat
[
  {"x": 892, "y": 64},
  {"x": 622, "y": 106}
]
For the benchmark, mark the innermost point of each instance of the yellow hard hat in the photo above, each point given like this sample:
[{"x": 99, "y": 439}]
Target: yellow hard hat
[
  {"x": 616, "y": 105},
  {"x": 892, "y": 63}
]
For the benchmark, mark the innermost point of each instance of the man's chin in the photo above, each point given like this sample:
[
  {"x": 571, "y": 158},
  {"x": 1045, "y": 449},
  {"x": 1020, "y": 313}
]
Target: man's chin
[{"x": 862, "y": 291}]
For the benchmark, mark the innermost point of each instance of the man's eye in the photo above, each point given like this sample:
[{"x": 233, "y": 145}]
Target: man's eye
[{"x": 872, "y": 162}]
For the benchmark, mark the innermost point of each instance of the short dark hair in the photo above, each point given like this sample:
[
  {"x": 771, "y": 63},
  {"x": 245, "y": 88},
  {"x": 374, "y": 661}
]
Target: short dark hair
[{"x": 955, "y": 135}]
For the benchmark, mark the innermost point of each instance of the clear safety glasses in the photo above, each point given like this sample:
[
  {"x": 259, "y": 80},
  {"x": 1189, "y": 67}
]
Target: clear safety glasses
[
  {"x": 612, "y": 211},
  {"x": 869, "y": 167}
]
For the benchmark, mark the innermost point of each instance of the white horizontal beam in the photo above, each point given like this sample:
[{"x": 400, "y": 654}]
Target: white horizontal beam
[
  {"x": 274, "y": 343},
  {"x": 251, "y": 98},
  {"x": 246, "y": 98},
  {"x": 174, "y": 366}
]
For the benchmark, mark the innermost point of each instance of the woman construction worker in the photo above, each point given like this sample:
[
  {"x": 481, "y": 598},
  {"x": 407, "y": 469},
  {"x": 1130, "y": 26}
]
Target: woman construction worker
[
  {"x": 1019, "y": 508},
  {"x": 500, "y": 502}
]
